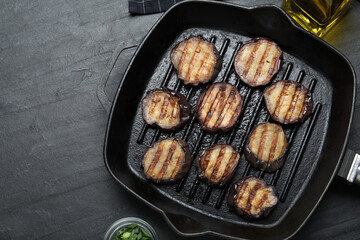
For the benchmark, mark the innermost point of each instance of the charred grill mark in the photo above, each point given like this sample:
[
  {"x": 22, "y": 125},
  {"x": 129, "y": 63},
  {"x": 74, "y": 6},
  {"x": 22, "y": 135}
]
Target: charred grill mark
[
  {"x": 214, "y": 153},
  {"x": 173, "y": 106},
  {"x": 167, "y": 160},
  {"x": 238, "y": 108},
  {"x": 203, "y": 61},
  {"x": 208, "y": 56},
  {"x": 262, "y": 142},
  {"x": 290, "y": 93},
  {"x": 259, "y": 203},
  {"x": 264, "y": 198},
  {"x": 154, "y": 102},
  {"x": 281, "y": 99},
  {"x": 164, "y": 107},
  {"x": 250, "y": 60},
  {"x": 214, "y": 108},
  {"x": 209, "y": 113},
  {"x": 223, "y": 100},
  {"x": 294, "y": 100},
  {"x": 228, "y": 102},
  {"x": 206, "y": 161},
  {"x": 273, "y": 88},
  {"x": 301, "y": 98},
  {"x": 274, "y": 145},
  {"x": 273, "y": 65},
  {"x": 237, "y": 111},
  {"x": 203, "y": 104},
  {"x": 303, "y": 106},
  {"x": 243, "y": 187},
  {"x": 155, "y": 160},
  {"x": 205, "y": 98},
  {"x": 183, "y": 56},
  {"x": 230, "y": 166},
  {"x": 262, "y": 61},
  {"x": 252, "y": 193},
  {"x": 194, "y": 55},
  {"x": 179, "y": 162},
  {"x": 220, "y": 158}
]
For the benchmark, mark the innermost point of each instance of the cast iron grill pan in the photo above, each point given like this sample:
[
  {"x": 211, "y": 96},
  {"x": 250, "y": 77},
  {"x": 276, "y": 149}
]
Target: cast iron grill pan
[
  {"x": 191, "y": 206},
  {"x": 192, "y": 190}
]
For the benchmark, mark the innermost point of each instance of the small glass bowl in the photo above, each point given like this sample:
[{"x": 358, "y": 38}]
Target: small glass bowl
[{"x": 123, "y": 222}]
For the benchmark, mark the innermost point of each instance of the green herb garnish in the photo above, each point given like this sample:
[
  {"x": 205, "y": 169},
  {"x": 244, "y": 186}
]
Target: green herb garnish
[{"x": 132, "y": 232}]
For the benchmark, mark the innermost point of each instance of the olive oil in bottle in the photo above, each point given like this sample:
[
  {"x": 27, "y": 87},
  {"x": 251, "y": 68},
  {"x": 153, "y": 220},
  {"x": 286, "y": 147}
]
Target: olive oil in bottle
[{"x": 316, "y": 16}]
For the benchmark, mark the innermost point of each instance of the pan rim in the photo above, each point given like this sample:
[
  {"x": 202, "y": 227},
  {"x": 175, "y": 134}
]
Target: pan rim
[{"x": 163, "y": 213}]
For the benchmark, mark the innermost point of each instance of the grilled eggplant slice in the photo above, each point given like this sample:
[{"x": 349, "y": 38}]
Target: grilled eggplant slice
[
  {"x": 196, "y": 61},
  {"x": 216, "y": 165},
  {"x": 257, "y": 61},
  {"x": 251, "y": 197},
  {"x": 167, "y": 160},
  {"x": 218, "y": 107},
  {"x": 266, "y": 147},
  {"x": 288, "y": 101},
  {"x": 165, "y": 108}
]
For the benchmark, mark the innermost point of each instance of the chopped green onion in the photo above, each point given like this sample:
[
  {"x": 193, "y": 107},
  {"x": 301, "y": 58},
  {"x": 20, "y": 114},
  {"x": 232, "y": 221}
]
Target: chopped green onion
[
  {"x": 146, "y": 234},
  {"x": 125, "y": 235},
  {"x": 119, "y": 233},
  {"x": 139, "y": 236},
  {"x": 132, "y": 225},
  {"x": 132, "y": 232}
]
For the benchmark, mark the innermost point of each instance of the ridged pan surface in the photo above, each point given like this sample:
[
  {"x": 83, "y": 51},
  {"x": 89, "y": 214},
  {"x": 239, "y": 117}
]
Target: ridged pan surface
[
  {"x": 321, "y": 95},
  {"x": 314, "y": 146}
]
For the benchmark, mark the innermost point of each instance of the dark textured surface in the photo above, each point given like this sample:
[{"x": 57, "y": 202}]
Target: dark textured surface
[
  {"x": 53, "y": 181},
  {"x": 128, "y": 116}
]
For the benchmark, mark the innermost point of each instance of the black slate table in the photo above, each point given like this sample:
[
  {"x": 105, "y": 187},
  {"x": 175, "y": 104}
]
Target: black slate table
[{"x": 53, "y": 182}]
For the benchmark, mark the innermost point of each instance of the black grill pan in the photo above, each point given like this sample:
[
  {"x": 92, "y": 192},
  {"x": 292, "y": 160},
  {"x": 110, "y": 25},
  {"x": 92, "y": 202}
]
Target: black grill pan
[{"x": 316, "y": 146}]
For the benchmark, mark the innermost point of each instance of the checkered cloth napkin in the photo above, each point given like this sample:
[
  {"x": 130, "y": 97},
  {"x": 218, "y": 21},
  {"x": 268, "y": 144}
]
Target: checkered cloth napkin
[{"x": 150, "y": 6}]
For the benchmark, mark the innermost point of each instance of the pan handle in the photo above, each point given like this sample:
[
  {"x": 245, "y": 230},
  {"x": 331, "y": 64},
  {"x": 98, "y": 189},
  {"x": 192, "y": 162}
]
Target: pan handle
[
  {"x": 350, "y": 167},
  {"x": 100, "y": 93},
  {"x": 185, "y": 225}
]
